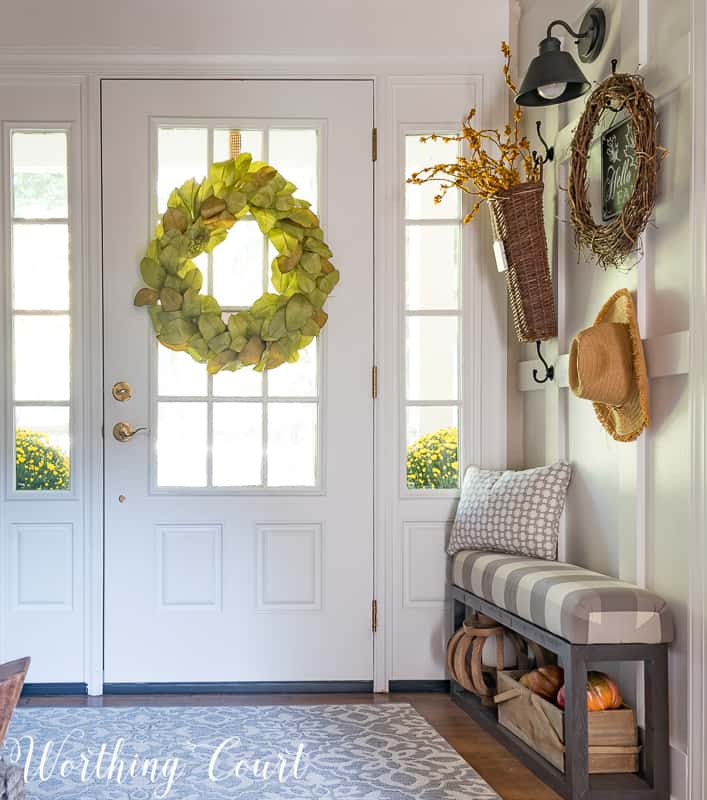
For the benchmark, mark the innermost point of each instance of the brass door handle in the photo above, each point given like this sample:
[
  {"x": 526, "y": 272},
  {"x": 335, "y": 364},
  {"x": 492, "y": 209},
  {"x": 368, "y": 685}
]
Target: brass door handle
[{"x": 124, "y": 431}]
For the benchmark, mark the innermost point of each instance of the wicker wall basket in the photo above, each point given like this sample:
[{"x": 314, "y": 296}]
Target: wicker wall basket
[{"x": 517, "y": 218}]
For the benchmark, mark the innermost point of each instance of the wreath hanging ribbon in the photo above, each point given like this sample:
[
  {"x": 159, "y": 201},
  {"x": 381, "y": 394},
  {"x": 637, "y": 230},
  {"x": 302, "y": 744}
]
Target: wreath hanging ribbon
[{"x": 198, "y": 217}]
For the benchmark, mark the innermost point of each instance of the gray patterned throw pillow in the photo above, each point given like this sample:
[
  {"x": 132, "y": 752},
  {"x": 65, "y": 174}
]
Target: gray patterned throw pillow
[{"x": 511, "y": 512}]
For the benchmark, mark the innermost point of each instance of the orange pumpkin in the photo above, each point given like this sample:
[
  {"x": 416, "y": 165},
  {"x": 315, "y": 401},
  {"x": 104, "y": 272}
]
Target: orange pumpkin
[
  {"x": 544, "y": 681},
  {"x": 602, "y": 693}
]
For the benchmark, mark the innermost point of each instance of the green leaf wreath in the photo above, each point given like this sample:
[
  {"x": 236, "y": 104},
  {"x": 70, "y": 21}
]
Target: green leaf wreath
[{"x": 198, "y": 217}]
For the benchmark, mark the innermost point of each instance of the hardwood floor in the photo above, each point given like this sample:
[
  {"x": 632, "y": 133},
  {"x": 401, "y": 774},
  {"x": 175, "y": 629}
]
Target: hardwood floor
[{"x": 496, "y": 765}]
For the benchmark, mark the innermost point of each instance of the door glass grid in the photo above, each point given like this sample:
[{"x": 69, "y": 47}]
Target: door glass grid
[
  {"x": 41, "y": 308},
  {"x": 237, "y": 429},
  {"x": 432, "y": 324}
]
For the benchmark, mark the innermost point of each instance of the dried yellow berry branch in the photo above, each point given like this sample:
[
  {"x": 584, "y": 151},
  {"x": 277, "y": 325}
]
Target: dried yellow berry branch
[{"x": 494, "y": 160}]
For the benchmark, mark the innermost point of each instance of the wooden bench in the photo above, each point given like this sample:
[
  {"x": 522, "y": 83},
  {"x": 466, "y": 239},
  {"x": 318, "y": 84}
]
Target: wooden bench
[{"x": 582, "y": 617}]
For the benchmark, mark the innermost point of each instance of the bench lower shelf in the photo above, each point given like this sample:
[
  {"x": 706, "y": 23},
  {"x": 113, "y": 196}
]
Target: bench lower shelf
[{"x": 617, "y": 786}]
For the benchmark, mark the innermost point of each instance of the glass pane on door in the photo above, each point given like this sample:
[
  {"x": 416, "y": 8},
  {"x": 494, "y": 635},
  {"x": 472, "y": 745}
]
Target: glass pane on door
[{"x": 242, "y": 429}]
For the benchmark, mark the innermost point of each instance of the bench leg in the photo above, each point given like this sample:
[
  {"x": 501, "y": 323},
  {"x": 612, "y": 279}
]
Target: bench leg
[
  {"x": 656, "y": 745},
  {"x": 576, "y": 724},
  {"x": 458, "y": 614}
]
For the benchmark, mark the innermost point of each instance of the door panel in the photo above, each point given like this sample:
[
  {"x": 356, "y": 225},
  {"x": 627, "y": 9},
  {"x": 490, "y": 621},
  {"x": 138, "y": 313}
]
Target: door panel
[{"x": 242, "y": 549}]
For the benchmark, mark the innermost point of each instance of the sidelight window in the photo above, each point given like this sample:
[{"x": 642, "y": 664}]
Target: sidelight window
[
  {"x": 40, "y": 297},
  {"x": 432, "y": 327}
]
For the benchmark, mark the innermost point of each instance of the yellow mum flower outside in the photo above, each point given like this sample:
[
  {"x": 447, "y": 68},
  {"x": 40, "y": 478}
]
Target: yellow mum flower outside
[
  {"x": 39, "y": 464},
  {"x": 433, "y": 462}
]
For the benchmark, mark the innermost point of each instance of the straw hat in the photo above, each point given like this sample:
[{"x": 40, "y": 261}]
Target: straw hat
[{"x": 607, "y": 367}]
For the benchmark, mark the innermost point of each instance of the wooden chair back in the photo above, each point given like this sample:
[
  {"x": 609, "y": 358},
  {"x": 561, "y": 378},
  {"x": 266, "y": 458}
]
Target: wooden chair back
[{"x": 12, "y": 678}]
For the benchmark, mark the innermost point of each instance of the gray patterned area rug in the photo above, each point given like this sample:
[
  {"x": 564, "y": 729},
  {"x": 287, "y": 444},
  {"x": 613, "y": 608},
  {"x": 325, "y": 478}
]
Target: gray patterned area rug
[{"x": 346, "y": 752}]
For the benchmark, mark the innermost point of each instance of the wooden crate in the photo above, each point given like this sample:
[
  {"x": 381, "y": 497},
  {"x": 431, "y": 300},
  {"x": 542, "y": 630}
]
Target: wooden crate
[{"x": 613, "y": 736}]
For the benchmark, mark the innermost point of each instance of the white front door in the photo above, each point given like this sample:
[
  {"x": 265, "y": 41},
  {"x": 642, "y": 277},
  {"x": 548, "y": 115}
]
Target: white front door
[{"x": 239, "y": 527}]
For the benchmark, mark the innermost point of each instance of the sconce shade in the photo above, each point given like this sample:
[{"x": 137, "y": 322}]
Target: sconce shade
[{"x": 551, "y": 68}]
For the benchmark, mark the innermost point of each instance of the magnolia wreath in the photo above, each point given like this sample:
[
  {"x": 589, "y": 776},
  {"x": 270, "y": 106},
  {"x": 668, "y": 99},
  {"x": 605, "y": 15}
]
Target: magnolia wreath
[
  {"x": 614, "y": 241},
  {"x": 198, "y": 217}
]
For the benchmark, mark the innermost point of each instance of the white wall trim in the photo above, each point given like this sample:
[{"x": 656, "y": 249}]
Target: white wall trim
[
  {"x": 46, "y": 65},
  {"x": 93, "y": 381},
  {"x": 668, "y": 354},
  {"x": 384, "y": 287},
  {"x": 697, "y": 742}
]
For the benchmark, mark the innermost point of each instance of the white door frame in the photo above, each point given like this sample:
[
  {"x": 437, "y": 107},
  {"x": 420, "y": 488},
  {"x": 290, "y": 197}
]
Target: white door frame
[
  {"x": 42, "y": 66},
  {"x": 341, "y": 112}
]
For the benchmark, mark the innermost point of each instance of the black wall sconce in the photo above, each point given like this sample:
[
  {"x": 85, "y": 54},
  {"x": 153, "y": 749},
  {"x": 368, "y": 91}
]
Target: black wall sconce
[{"x": 553, "y": 75}]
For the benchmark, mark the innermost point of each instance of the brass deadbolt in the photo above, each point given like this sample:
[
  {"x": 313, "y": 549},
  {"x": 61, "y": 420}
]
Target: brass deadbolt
[{"x": 122, "y": 391}]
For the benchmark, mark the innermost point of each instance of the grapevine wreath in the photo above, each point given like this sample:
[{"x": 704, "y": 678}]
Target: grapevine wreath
[
  {"x": 198, "y": 217},
  {"x": 614, "y": 241}
]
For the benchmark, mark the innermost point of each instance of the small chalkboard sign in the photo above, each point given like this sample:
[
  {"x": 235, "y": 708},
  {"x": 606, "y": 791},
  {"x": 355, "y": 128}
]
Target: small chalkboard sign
[{"x": 619, "y": 167}]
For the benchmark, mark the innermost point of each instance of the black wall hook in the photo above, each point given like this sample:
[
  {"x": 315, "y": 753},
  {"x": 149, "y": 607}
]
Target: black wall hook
[
  {"x": 549, "y": 368},
  {"x": 549, "y": 151},
  {"x": 614, "y": 63}
]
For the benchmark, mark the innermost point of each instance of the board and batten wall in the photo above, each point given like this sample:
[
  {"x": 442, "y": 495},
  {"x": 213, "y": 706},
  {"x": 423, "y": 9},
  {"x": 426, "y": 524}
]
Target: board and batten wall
[{"x": 629, "y": 506}]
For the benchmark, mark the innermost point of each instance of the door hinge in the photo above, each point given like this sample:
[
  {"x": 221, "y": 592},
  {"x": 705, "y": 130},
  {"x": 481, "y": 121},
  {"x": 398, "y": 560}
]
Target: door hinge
[
  {"x": 374, "y": 144},
  {"x": 374, "y": 382},
  {"x": 374, "y": 616}
]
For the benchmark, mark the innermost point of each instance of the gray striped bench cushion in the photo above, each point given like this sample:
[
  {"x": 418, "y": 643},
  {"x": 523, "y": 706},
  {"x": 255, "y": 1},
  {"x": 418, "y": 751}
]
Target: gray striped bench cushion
[{"x": 581, "y": 606}]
